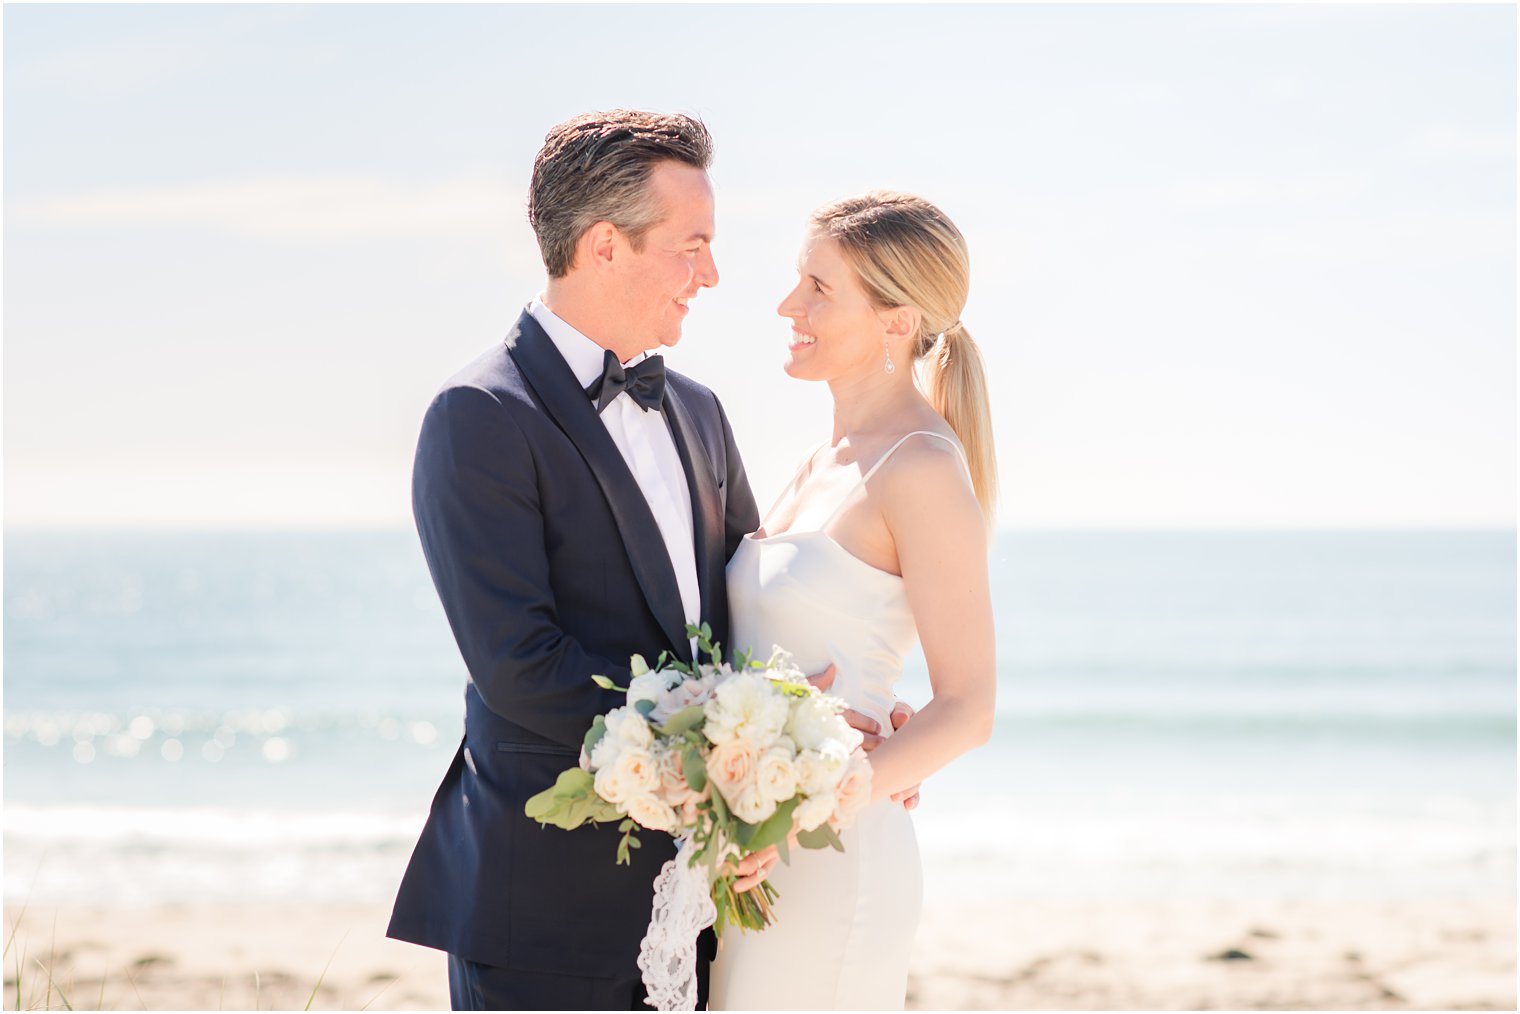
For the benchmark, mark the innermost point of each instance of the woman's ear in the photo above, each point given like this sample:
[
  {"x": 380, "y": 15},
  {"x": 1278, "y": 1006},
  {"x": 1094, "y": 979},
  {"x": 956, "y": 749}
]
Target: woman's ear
[{"x": 901, "y": 321}]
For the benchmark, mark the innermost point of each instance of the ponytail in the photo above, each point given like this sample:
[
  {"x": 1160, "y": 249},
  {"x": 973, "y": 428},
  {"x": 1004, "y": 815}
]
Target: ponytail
[{"x": 956, "y": 384}]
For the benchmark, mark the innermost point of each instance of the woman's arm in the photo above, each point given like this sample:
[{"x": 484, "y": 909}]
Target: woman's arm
[{"x": 928, "y": 504}]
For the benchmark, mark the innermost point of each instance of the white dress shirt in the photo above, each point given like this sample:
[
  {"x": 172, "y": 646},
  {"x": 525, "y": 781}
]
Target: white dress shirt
[{"x": 645, "y": 442}]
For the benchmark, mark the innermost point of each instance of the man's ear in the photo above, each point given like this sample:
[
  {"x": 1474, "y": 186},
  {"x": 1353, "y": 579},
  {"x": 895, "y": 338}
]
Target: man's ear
[{"x": 597, "y": 246}]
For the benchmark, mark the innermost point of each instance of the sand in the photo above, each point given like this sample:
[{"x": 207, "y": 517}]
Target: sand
[{"x": 1195, "y": 955}]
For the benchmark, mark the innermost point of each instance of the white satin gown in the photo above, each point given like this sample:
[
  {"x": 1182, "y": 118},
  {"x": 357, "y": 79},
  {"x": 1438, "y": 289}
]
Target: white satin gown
[{"x": 844, "y": 922}]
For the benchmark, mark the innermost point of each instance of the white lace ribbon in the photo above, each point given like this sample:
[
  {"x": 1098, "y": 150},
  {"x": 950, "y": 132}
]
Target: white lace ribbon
[{"x": 683, "y": 908}]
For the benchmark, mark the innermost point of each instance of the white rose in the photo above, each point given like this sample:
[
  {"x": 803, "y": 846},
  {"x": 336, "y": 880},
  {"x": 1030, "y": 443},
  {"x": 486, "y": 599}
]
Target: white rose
[
  {"x": 776, "y": 776},
  {"x": 752, "y": 807},
  {"x": 629, "y": 727},
  {"x": 834, "y": 752},
  {"x": 820, "y": 772},
  {"x": 815, "y": 719},
  {"x": 647, "y": 687},
  {"x": 637, "y": 770},
  {"x": 609, "y": 786},
  {"x": 606, "y": 751},
  {"x": 746, "y": 706},
  {"x": 649, "y": 812},
  {"x": 813, "y": 811}
]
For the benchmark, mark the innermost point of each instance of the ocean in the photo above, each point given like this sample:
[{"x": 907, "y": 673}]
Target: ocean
[{"x": 1319, "y": 715}]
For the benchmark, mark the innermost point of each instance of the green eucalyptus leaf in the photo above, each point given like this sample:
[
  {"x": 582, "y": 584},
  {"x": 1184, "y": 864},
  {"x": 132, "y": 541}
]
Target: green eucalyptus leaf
[
  {"x": 745, "y": 834},
  {"x": 695, "y": 769},
  {"x": 541, "y": 807},
  {"x": 595, "y": 733},
  {"x": 821, "y": 837},
  {"x": 683, "y": 721},
  {"x": 720, "y": 807},
  {"x": 775, "y": 828}
]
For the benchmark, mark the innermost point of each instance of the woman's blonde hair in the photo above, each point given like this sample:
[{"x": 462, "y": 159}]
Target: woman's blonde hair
[{"x": 908, "y": 253}]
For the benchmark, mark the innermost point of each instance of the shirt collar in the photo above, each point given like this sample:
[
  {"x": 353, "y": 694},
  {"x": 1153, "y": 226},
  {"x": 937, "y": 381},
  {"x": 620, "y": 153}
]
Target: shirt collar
[{"x": 584, "y": 356}]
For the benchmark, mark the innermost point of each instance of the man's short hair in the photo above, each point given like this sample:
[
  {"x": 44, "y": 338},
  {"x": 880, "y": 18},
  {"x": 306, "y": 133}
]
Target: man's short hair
[{"x": 596, "y": 168}]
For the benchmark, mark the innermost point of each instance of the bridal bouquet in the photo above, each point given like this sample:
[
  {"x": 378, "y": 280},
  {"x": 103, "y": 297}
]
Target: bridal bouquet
[{"x": 728, "y": 758}]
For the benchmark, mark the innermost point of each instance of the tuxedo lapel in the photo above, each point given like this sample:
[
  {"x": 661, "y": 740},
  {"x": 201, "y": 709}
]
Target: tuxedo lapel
[
  {"x": 550, "y": 376},
  {"x": 706, "y": 509}
]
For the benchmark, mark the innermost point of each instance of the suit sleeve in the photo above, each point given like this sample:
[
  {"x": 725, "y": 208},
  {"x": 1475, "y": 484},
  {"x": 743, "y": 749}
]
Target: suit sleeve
[
  {"x": 740, "y": 515},
  {"x": 475, "y": 499}
]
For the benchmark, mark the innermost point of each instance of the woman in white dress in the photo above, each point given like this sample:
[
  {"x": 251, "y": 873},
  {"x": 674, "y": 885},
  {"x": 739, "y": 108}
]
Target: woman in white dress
[{"x": 879, "y": 540}]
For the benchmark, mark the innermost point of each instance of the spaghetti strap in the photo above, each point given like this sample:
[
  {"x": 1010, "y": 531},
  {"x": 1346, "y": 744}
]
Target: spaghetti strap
[
  {"x": 890, "y": 450},
  {"x": 883, "y": 460}
]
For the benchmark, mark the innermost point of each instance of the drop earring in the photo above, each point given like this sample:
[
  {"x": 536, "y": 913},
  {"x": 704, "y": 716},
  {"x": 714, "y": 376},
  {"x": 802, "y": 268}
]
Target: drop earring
[{"x": 890, "y": 368}]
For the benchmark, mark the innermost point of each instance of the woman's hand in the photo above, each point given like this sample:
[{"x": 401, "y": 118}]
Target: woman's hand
[
  {"x": 901, "y": 712},
  {"x": 755, "y": 867}
]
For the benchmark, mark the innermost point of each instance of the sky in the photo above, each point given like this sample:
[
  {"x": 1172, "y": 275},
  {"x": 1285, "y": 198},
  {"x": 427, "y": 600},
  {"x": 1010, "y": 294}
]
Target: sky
[{"x": 1232, "y": 266}]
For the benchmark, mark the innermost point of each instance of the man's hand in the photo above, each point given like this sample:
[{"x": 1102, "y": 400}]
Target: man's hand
[
  {"x": 869, "y": 728},
  {"x": 870, "y": 733},
  {"x": 901, "y": 712}
]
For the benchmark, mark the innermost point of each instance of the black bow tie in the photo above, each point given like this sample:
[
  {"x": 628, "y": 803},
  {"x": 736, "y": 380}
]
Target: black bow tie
[{"x": 644, "y": 382}]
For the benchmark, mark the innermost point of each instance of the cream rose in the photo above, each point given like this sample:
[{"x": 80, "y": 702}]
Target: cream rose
[
  {"x": 731, "y": 766},
  {"x": 673, "y": 787},
  {"x": 854, "y": 791},
  {"x": 649, "y": 812},
  {"x": 813, "y": 811},
  {"x": 637, "y": 770},
  {"x": 609, "y": 786},
  {"x": 751, "y": 806},
  {"x": 776, "y": 776}
]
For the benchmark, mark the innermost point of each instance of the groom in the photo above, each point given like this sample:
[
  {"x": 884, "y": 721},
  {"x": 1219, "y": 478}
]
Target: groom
[{"x": 576, "y": 504}]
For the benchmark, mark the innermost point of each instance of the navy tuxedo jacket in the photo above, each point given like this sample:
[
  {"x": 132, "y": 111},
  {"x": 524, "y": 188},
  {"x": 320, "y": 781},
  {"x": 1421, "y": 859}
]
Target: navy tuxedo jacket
[{"x": 550, "y": 568}]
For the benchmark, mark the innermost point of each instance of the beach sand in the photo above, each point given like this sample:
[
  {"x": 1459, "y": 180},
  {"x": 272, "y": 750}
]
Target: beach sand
[{"x": 1194, "y": 955}]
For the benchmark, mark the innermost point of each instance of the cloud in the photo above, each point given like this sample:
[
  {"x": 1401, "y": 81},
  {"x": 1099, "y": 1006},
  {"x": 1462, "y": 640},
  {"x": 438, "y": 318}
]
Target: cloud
[{"x": 301, "y": 209}]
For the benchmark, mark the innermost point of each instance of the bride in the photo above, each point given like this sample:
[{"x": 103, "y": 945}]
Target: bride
[{"x": 880, "y": 539}]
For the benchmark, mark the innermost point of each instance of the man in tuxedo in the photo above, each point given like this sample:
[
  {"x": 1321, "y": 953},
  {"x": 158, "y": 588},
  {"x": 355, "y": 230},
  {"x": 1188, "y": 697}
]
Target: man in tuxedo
[{"x": 576, "y": 503}]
